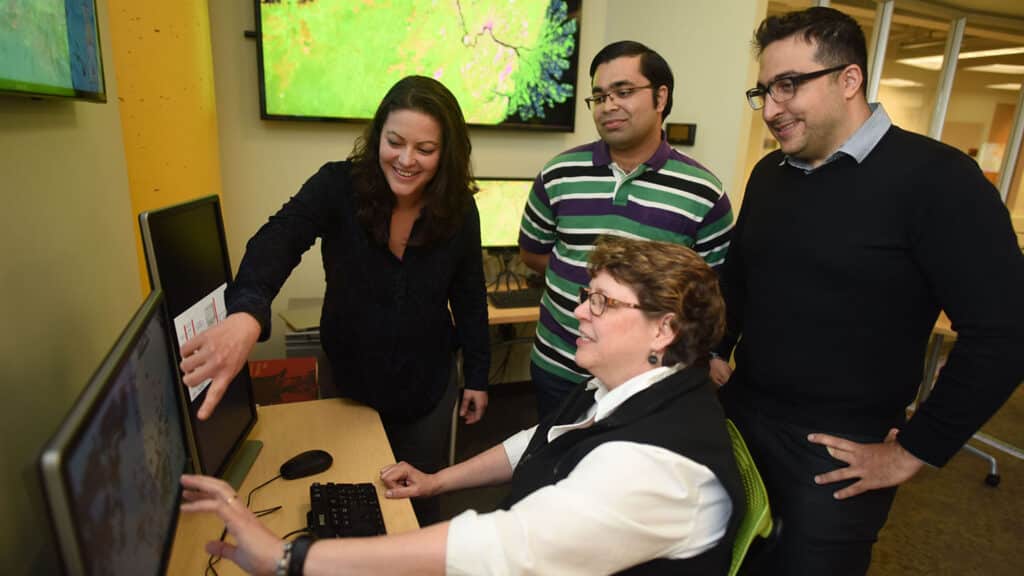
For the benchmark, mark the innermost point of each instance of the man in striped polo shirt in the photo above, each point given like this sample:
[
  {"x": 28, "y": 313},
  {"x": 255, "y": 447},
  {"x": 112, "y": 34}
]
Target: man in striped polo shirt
[{"x": 629, "y": 183}]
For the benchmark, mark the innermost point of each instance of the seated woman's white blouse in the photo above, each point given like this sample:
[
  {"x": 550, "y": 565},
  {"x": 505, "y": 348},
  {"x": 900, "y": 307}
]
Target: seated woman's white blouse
[{"x": 625, "y": 503}]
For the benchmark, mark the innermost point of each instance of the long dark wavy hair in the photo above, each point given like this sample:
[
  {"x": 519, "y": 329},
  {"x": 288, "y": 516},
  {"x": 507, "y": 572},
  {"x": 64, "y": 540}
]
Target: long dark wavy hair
[{"x": 447, "y": 196}]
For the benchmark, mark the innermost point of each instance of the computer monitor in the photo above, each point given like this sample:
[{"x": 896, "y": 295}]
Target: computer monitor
[
  {"x": 500, "y": 203},
  {"x": 111, "y": 473},
  {"x": 187, "y": 257}
]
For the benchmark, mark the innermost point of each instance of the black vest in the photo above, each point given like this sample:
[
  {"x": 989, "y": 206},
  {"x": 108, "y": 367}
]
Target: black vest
[{"x": 679, "y": 413}]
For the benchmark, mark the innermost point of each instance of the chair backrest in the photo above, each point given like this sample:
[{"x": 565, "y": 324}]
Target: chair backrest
[{"x": 757, "y": 518}]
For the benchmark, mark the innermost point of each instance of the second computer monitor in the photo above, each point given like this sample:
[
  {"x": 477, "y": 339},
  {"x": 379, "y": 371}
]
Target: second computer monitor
[
  {"x": 500, "y": 202},
  {"x": 187, "y": 257}
]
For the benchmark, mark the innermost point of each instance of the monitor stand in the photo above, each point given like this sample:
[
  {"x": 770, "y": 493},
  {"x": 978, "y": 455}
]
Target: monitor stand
[
  {"x": 241, "y": 462},
  {"x": 507, "y": 280}
]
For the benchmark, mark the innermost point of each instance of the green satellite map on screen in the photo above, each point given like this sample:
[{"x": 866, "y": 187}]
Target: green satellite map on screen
[{"x": 337, "y": 58}]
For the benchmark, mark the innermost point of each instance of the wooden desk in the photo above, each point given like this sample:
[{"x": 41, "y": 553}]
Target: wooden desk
[
  {"x": 497, "y": 316},
  {"x": 351, "y": 432},
  {"x": 943, "y": 329}
]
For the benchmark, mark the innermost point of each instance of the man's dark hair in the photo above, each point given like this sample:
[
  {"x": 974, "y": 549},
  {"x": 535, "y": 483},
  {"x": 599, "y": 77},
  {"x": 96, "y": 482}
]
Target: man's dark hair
[
  {"x": 652, "y": 66},
  {"x": 838, "y": 37}
]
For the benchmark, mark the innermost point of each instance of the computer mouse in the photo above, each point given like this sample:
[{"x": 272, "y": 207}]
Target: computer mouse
[{"x": 305, "y": 464}]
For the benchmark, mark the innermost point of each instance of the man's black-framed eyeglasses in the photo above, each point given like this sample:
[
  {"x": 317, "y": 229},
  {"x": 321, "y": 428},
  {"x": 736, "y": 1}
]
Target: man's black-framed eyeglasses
[
  {"x": 599, "y": 302},
  {"x": 619, "y": 94},
  {"x": 784, "y": 88}
]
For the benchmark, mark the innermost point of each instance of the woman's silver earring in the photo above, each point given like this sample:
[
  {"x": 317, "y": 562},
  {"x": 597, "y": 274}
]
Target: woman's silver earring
[{"x": 652, "y": 359}]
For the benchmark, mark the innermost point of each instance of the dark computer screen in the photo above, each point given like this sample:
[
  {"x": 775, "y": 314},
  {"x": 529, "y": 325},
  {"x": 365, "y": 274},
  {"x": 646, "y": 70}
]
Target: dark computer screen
[
  {"x": 500, "y": 202},
  {"x": 187, "y": 258},
  {"x": 111, "y": 473}
]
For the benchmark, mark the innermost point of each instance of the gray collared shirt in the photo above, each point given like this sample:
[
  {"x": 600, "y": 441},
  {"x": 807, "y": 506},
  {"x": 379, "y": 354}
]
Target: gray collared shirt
[{"x": 857, "y": 146}]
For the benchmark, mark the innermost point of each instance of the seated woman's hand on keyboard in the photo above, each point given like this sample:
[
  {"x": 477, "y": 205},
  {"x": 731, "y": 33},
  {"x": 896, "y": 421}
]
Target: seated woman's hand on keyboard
[{"x": 403, "y": 480}]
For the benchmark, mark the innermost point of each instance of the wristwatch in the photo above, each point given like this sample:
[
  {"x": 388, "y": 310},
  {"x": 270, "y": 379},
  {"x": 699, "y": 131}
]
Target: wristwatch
[
  {"x": 300, "y": 547},
  {"x": 282, "y": 564}
]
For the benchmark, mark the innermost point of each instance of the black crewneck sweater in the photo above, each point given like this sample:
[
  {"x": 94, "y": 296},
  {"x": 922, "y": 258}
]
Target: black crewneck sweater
[{"x": 835, "y": 278}]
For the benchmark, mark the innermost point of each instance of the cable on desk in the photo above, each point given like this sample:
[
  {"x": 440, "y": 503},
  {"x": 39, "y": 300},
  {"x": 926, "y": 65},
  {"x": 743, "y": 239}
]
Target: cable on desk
[
  {"x": 262, "y": 513},
  {"x": 248, "y": 499},
  {"x": 213, "y": 560},
  {"x": 294, "y": 532}
]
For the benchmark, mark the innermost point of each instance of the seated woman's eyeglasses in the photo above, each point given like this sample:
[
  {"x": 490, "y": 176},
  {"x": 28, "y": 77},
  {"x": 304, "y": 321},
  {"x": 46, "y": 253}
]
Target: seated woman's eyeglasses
[
  {"x": 619, "y": 94},
  {"x": 599, "y": 302},
  {"x": 784, "y": 89}
]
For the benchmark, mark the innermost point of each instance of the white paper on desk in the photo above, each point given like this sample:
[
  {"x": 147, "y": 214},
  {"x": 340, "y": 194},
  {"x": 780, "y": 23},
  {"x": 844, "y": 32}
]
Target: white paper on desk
[{"x": 204, "y": 314}]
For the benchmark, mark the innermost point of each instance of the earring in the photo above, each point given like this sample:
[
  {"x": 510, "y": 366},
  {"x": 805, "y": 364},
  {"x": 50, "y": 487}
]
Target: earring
[{"x": 652, "y": 359}]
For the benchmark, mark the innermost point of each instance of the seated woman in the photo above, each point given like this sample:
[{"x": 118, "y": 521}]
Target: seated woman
[{"x": 633, "y": 474}]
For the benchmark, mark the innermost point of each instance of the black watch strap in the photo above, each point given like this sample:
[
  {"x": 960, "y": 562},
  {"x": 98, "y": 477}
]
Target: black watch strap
[{"x": 300, "y": 547}]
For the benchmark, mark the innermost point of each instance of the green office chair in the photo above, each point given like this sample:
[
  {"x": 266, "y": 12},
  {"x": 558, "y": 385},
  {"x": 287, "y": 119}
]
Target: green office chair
[{"x": 757, "y": 518}]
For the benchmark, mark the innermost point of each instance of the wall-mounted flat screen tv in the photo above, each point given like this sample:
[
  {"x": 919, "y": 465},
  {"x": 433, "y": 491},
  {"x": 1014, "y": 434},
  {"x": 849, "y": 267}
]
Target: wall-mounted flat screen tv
[
  {"x": 51, "y": 48},
  {"x": 510, "y": 63}
]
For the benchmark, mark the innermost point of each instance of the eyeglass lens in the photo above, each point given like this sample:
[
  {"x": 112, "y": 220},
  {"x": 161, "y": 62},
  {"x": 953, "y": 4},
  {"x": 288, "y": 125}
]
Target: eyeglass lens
[{"x": 597, "y": 301}]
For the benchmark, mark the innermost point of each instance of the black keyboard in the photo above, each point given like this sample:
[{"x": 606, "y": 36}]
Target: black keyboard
[
  {"x": 520, "y": 298},
  {"x": 343, "y": 510}
]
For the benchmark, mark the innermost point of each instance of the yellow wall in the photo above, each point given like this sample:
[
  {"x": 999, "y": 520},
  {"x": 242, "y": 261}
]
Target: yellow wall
[{"x": 168, "y": 109}]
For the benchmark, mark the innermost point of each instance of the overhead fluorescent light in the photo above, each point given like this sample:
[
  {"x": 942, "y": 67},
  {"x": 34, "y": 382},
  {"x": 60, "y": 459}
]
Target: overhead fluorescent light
[
  {"x": 1010, "y": 86},
  {"x": 924, "y": 62},
  {"x": 899, "y": 83},
  {"x": 935, "y": 62},
  {"x": 1015, "y": 69},
  {"x": 993, "y": 52}
]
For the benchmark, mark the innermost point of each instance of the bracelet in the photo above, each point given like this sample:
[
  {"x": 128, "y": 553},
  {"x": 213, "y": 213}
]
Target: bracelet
[
  {"x": 297, "y": 560},
  {"x": 283, "y": 563}
]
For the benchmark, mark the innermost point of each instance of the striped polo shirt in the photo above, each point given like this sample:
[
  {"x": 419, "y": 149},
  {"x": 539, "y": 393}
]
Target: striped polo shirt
[{"x": 579, "y": 196}]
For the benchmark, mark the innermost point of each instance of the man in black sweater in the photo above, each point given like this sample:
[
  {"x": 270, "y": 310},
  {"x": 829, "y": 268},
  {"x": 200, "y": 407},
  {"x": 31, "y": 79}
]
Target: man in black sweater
[{"x": 850, "y": 240}]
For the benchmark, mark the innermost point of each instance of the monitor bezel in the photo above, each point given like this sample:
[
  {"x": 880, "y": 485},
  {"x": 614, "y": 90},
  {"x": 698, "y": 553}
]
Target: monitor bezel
[
  {"x": 195, "y": 448},
  {"x": 53, "y": 470}
]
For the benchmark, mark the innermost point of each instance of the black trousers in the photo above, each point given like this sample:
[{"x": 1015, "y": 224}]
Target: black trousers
[
  {"x": 424, "y": 444},
  {"x": 820, "y": 535}
]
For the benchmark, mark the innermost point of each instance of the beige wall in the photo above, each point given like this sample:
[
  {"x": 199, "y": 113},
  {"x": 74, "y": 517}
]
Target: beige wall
[
  {"x": 263, "y": 163},
  {"x": 70, "y": 282}
]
